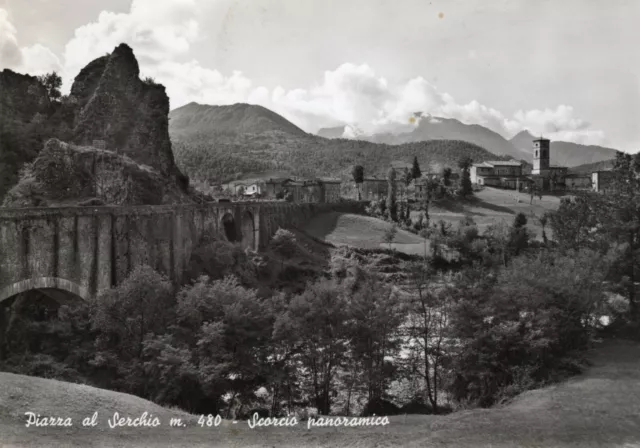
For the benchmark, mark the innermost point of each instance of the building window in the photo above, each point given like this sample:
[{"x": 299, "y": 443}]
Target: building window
[{"x": 536, "y": 153}]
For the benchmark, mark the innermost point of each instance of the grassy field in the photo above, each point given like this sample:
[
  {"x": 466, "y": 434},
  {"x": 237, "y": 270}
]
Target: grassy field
[
  {"x": 487, "y": 207},
  {"x": 600, "y": 408},
  {"x": 492, "y": 205},
  {"x": 365, "y": 232}
]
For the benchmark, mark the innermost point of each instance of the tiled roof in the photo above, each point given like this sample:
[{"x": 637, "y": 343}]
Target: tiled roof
[{"x": 483, "y": 165}]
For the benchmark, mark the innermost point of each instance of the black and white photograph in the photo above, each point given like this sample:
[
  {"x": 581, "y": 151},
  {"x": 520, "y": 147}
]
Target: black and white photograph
[{"x": 319, "y": 223}]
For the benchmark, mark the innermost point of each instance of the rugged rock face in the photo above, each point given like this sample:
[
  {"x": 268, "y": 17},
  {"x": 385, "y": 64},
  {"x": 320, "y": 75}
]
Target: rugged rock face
[
  {"x": 66, "y": 174},
  {"x": 108, "y": 102},
  {"x": 129, "y": 114}
]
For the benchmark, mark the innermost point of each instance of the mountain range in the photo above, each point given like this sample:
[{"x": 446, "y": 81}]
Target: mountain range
[
  {"x": 519, "y": 147},
  {"x": 224, "y": 143}
]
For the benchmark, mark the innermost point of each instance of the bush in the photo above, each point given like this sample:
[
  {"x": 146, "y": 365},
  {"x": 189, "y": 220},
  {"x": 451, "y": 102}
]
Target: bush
[
  {"x": 380, "y": 407},
  {"x": 416, "y": 407}
]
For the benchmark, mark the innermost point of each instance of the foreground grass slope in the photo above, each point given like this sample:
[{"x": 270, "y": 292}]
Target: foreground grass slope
[{"x": 599, "y": 408}]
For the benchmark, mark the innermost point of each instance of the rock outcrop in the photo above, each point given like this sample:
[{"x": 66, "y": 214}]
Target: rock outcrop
[
  {"x": 108, "y": 103},
  {"x": 66, "y": 174},
  {"x": 130, "y": 115}
]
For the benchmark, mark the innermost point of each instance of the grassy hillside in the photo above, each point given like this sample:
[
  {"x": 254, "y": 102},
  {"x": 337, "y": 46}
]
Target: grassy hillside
[
  {"x": 493, "y": 205},
  {"x": 489, "y": 206},
  {"x": 600, "y": 408},
  {"x": 365, "y": 232}
]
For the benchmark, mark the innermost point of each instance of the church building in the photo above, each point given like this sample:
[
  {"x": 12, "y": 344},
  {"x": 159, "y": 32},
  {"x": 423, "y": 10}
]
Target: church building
[{"x": 546, "y": 177}]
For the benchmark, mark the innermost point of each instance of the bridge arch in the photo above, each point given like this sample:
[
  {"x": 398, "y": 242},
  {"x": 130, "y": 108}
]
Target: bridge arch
[
  {"x": 44, "y": 283},
  {"x": 248, "y": 227},
  {"x": 228, "y": 224}
]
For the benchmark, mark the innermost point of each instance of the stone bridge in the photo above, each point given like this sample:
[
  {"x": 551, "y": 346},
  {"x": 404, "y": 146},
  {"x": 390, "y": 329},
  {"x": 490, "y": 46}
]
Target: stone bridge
[{"x": 84, "y": 250}]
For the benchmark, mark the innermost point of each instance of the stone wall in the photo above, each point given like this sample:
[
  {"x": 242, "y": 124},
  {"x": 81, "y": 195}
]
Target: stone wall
[{"x": 84, "y": 250}]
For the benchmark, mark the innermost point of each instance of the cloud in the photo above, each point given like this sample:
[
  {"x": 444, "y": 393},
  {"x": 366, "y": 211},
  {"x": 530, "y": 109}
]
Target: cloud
[
  {"x": 35, "y": 60},
  {"x": 352, "y": 95},
  {"x": 158, "y": 33},
  {"x": 355, "y": 96}
]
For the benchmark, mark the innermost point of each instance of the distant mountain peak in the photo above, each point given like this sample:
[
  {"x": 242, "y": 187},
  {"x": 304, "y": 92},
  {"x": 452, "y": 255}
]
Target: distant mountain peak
[{"x": 236, "y": 118}]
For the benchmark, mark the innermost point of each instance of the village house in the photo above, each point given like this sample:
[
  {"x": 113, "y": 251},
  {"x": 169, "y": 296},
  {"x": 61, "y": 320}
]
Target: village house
[
  {"x": 498, "y": 173},
  {"x": 304, "y": 190},
  {"x": 373, "y": 188},
  {"x": 249, "y": 190},
  {"x": 578, "y": 181},
  {"x": 331, "y": 189},
  {"x": 275, "y": 186}
]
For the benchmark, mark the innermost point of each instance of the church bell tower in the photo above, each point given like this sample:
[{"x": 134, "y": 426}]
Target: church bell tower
[{"x": 541, "y": 156}]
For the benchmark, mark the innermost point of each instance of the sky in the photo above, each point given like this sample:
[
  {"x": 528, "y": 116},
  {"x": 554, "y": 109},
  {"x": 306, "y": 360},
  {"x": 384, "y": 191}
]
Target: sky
[{"x": 568, "y": 70}]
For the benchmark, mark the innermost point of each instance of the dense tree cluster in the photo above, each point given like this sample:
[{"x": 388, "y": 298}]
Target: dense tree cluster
[{"x": 32, "y": 110}]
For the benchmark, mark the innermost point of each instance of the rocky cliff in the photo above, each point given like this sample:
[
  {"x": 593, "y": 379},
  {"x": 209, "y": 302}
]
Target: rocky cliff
[
  {"x": 108, "y": 102},
  {"x": 129, "y": 114}
]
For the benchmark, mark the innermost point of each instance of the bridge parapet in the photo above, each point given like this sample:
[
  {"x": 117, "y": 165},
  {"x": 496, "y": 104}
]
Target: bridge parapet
[{"x": 87, "y": 249}]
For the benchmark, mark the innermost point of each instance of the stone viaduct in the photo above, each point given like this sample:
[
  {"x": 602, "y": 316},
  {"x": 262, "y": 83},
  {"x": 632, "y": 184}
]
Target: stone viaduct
[{"x": 84, "y": 250}]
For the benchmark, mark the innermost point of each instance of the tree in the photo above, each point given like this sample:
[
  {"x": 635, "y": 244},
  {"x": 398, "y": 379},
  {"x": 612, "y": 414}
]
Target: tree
[
  {"x": 544, "y": 220},
  {"x": 407, "y": 179},
  {"x": 522, "y": 327},
  {"x": 392, "y": 205},
  {"x": 125, "y": 317},
  {"x": 358, "y": 177},
  {"x": 317, "y": 323},
  {"x": 227, "y": 327},
  {"x": 430, "y": 308},
  {"x": 573, "y": 222},
  {"x": 390, "y": 235},
  {"x": 415, "y": 169},
  {"x": 465, "y": 185},
  {"x": 376, "y": 313},
  {"x": 52, "y": 83},
  {"x": 446, "y": 176},
  {"x": 618, "y": 218},
  {"x": 520, "y": 221},
  {"x": 284, "y": 244},
  {"x": 519, "y": 238}
]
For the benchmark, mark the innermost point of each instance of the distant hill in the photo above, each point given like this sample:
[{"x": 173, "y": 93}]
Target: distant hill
[
  {"x": 221, "y": 144},
  {"x": 567, "y": 153},
  {"x": 519, "y": 147},
  {"x": 436, "y": 128},
  {"x": 197, "y": 118},
  {"x": 605, "y": 165}
]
